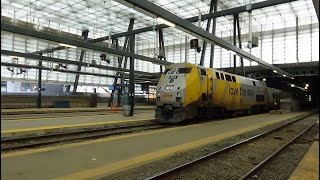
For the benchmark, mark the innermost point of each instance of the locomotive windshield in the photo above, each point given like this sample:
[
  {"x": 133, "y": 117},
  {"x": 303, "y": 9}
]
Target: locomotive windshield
[
  {"x": 184, "y": 70},
  {"x": 170, "y": 71}
]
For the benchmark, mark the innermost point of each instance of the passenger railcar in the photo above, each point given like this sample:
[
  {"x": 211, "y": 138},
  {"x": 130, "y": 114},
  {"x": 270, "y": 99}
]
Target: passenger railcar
[{"x": 186, "y": 91}]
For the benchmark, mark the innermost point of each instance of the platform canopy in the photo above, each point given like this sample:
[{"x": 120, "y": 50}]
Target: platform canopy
[{"x": 288, "y": 33}]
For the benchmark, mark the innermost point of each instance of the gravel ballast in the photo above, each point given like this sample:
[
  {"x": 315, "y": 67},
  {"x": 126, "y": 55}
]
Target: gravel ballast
[{"x": 230, "y": 165}]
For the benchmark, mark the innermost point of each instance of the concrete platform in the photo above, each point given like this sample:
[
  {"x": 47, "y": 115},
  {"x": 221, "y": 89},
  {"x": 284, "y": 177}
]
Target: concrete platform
[
  {"x": 64, "y": 122},
  {"x": 63, "y": 110},
  {"x": 308, "y": 168},
  {"x": 100, "y": 157}
]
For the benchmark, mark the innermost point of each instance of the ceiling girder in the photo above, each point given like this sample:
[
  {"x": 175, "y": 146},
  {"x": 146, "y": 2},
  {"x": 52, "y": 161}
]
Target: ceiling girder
[
  {"x": 64, "y": 61},
  {"x": 74, "y": 42},
  {"x": 226, "y": 12},
  {"x": 190, "y": 28}
]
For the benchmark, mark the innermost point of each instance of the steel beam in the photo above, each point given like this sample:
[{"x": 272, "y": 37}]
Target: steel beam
[
  {"x": 74, "y": 42},
  {"x": 39, "y": 85},
  {"x": 316, "y": 7},
  {"x": 120, "y": 59},
  {"x": 213, "y": 7},
  {"x": 226, "y": 12},
  {"x": 56, "y": 60},
  {"x": 234, "y": 42},
  {"x": 131, "y": 75},
  {"x": 189, "y": 28},
  {"x": 49, "y": 69},
  {"x": 240, "y": 45},
  {"x": 297, "y": 39},
  {"x": 215, "y": 14},
  {"x": 76, "y": 80}
]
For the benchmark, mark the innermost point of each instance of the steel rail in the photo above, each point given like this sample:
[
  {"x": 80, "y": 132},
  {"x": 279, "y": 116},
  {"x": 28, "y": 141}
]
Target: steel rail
[
  {"x": 31, "y": 142},
  {"x": 165, "y": 173},
  {"x": 274, "y": 154}
]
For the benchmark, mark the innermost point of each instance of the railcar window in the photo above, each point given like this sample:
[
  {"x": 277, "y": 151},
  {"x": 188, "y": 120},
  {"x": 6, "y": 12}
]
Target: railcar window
[
  {"x": 221, "y": 76},
  {"x": 184, "y": 70},
  {"x": 259, "y": 98},
  {"x": 218, "y": 75},
  {"x": 254, "y": 83},
  {"x": 228, "y": 77},
  {"x": 233, "y": 79},
  {"x": 273, "y": 95},
  {"x": 203, "y": 72}
]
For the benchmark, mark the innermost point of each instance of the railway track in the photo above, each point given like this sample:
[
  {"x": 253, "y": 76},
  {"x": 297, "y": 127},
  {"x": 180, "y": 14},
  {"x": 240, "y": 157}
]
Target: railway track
[
  {"x": 68, "y": 137},
  {"x": 8, "y": 145},
  {"x": 174, "y": 173}
]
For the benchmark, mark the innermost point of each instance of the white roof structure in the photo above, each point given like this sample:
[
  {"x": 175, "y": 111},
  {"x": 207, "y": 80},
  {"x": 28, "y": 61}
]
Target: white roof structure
[{"x": 275, "y": 26}]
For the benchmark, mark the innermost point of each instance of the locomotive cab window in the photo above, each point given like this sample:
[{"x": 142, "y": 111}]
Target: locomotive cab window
[
  {"x": 217, "y": 75},
  {"x": 221, "y": 75},
  {"x": 184, "y": 70},
  {"x": 203, "y": 72},
  {"x": 228, "y": 77},
  {"x": 233, "y": 79},
  {"x": 170, "y": 71}
]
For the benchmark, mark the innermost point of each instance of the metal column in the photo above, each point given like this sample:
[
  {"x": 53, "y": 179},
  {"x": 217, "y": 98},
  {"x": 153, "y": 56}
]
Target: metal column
[
  {"x": 161, "y": 54},
  {"x": 120, "y": 60},
  {"x": 240, "y": 45},
  {"x": 131, "y": 76},
  {"x": 39, "y": 86},
  {"x": 297, "y": 38},
  {"x": 234, "y": 42},
  {"x": 213, "y": 6},
  {"x": 76, "y": 80},
  {"x": 214, "y": 23}
]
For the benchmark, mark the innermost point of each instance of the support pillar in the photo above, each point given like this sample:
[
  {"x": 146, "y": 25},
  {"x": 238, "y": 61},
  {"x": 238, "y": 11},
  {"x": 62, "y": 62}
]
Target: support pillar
[
  {"x": 240, "y": 45},
  {"x": 297, "y": 39},
  {"x": 213, "y": 7},
  {"x": 39, "y": 85},
  {"x": 234, "y": 42},
  {"x": 131, "y": 76},
  {"x": 76, "y": 80},
  {"x": 120, "y": 60}
]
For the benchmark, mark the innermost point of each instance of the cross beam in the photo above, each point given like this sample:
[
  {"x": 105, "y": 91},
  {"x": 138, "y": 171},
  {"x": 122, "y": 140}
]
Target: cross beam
[
  {"x": 74, "y": 42},
  {"x": 190, "y": 28},
  {"x": 57, "y": 60},
  {"x": 226, "y": 12}
]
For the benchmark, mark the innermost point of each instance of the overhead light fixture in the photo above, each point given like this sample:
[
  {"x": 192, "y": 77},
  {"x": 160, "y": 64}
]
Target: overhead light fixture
[
  {"x": 275, "y": 71},
  {"x": 307, "y": 85},
  {"x": 292, "y": 85},
  {"x": 14, "y": 56},
  {"x": 292, "y": 78},
  {"x": 264, "y": 79},
  {"x": 67, "y": 45},
  {"x": 232, "y": 52},
  {"x": 160, "y": 20},
  {"x": 284, "y": 75},
  {"x": 146, "y": 81}
]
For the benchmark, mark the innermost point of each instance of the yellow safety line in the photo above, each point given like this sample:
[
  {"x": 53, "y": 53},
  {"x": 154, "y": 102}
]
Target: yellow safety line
[
  {"x": 32, "y": 151},
  {"x": 142, "y": 159},
  {"x": 308, "y": 167},
  {"x": 56, "y": 117},
  {"x": 73, "y": 125}
]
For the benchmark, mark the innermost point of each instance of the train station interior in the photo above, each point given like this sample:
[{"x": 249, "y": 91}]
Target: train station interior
[{"x": 160, "y": 89}]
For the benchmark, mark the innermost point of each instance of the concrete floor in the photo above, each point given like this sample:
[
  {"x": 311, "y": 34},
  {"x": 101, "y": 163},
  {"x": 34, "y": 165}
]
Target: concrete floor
[
  {"x": 103, "y": 156},
  {"x": 14, "y": 122}
]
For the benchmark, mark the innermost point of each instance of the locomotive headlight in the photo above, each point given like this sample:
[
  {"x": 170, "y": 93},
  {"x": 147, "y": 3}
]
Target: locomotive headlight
[{"x": 178, "y": 94}]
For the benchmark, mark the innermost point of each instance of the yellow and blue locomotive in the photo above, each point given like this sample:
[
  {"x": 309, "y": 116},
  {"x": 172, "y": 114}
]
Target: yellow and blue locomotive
[{"x": 186, "y": 91}]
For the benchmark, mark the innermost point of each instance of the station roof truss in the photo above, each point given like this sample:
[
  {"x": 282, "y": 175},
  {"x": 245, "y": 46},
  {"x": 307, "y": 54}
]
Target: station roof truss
[{"x": 38, "y": 26}]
